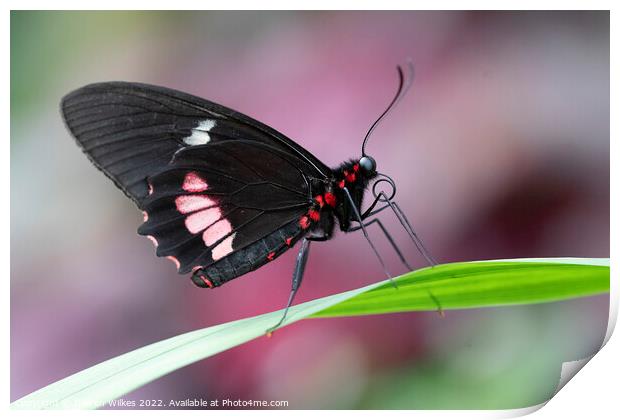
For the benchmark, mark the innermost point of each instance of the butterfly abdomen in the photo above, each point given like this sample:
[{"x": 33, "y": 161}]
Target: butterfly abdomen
[{"x": 250, "y": 258}]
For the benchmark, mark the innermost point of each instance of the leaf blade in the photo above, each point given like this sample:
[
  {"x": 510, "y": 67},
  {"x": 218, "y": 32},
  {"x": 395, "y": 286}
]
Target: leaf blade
[
  {"x": 493, "y": 283},
  {"x": 458, "y": 285}
]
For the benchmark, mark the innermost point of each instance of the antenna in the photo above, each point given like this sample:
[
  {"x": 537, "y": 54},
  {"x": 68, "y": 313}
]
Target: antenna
[{"x": 403, "y": 87}]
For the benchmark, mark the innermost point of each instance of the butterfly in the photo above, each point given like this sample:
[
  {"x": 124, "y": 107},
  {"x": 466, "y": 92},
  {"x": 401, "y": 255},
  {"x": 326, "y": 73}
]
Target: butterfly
[{"x": 221, "y": 193}]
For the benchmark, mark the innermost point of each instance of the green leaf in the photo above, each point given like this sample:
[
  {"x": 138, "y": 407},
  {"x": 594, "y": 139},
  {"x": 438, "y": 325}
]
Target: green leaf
[
  {"x": 481, "y": 284},
  {"x": 452, "y": 286}
]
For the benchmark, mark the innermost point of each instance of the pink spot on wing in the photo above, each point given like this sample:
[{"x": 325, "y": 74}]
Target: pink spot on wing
[
  {"x": 198, "y": 222},
  {"x": 194, "y": 183},
  {"x": 145, "y": 215},
  {"x": 223, "y": 248},
  {"x": 175, "y": 261},
  {"x": 150, "y": 188},
  {"x": 216, "y": 232},
  {"x": 152, "y": 238},
  {"x": 191, "y": 203}
]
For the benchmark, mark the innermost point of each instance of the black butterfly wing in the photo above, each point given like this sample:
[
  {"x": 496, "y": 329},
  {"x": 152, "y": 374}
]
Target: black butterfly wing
[
  {"x": 131, "y": 130},
  {"x": 222, "y": 193}
]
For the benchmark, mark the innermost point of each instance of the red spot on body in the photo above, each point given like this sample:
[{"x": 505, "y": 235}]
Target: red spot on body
[
  {"x": 202, "y": 276},
  {"x": 304, "y": 222},
  {"x": 314, "y": 215},
  {"x": 350, "y": 177},
  {"x": 175, "y": 261},
  {"x": 341, "y": 184},
  {"x": 356, "y": 167},
  {"x": 330, "y": 199},
  {"x": 319, "y": 199},
  {"x": 288, "y": 241},
  {"x": 207, "y": 281},
  {"x": 271, "y": 256},
  {"x": 194, "y": 183}
]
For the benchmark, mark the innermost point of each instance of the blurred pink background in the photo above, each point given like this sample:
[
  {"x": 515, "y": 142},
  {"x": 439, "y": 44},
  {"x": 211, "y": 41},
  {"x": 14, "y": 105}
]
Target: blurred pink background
[{"x": 500, "y": 150}]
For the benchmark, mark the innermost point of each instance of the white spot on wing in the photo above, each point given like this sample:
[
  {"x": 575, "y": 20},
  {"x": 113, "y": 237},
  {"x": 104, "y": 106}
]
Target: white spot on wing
[{"x": 200, "y": 134}]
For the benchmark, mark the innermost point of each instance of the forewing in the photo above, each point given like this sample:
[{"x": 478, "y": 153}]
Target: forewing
[{"x": 131, "y": 131}]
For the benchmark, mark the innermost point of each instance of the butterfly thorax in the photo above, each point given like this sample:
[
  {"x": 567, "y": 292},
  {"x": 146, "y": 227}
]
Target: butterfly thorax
[
  {"x": 330, "y": 200},
  {"x": 355, "y": 179}
]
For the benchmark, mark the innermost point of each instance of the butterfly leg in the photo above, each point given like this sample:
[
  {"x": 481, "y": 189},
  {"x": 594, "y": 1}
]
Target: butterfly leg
[
  {"x": 440, "y": 310},
  {"x": 412, "y": 234},
  {"x": 417, "y": 242},
  {"x": 298, "y": 274},
  {"x": 400, "y": 215},
  {"x": 388, "y": 236},
  {"x": 358, "y": 218}
]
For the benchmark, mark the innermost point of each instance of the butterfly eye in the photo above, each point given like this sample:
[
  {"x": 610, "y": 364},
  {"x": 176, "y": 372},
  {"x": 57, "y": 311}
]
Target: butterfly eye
[{"x": 368, "y": 164}]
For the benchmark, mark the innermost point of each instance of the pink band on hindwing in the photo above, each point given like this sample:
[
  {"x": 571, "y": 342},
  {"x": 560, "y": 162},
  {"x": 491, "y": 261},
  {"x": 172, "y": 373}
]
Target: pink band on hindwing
[
  {"x": 197, "y": 222},
  {"x": 191, "y": 203}
]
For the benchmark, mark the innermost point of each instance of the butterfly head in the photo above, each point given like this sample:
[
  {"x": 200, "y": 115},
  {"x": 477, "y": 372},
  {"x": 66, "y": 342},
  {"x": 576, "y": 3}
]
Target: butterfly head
[{"x": 368, "y": 166}]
